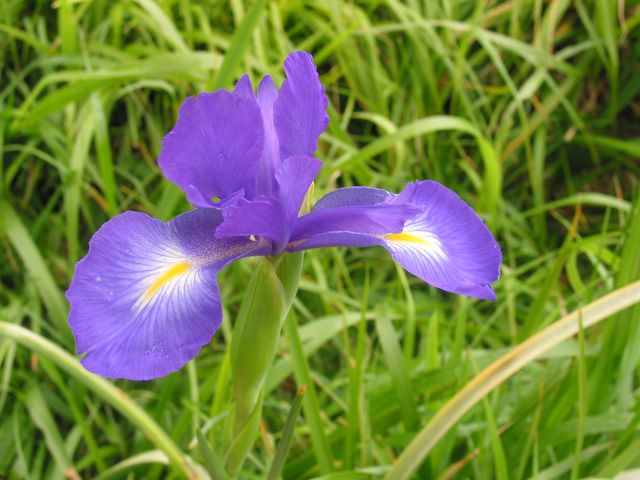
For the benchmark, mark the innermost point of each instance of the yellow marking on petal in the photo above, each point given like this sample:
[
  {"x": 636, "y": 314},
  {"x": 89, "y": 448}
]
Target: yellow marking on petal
[
  {"x": 406, "y": 237},
  {"x": 175, "y": 271}
]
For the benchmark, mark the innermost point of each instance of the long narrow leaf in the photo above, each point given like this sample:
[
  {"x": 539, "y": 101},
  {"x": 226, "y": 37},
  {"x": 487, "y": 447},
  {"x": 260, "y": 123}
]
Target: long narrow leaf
[
  {"x": 106, "y": 390},
  {"x": 501, "y": 370}
]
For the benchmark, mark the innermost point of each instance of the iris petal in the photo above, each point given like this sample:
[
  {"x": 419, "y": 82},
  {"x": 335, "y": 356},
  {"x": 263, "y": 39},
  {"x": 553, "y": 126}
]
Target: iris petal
[
  {"x": 243, "y": 87},
  {"x": 262, "y": 216},
  {"x": 145, "y": 299},
  {"x": 294, "y": 177},
  {"x": 352, "y": 216},
  {"x": 472, "y": 255},
  {"x": 300, "y": 112},
  {"x": 427, "y": 229},
  {"x": 267, "y": 95},
  {"x": 353, "y": 196},
  {"x": 357, "y": 226},
  {"x": 215, "y": 147},
  {"x": 272, "y": 216}
]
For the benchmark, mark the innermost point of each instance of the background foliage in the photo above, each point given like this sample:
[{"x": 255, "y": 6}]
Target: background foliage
[{"x": 529, "y": 109}]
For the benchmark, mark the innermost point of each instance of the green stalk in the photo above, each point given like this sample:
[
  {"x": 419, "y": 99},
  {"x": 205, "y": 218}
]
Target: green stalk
[{"x": 271, "y": 290}]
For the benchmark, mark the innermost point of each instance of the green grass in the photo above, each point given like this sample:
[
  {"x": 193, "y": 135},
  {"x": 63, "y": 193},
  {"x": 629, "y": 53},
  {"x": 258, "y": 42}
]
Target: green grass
[{"x": 527, "y": 108}]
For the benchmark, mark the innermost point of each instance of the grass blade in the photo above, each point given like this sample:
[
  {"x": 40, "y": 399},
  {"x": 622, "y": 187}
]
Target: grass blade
[
  {"x": 164, "y": 25},
  {"x": 239, "y": 44},
  {"x": 106, "y": 390},
  {"x": 310, "y": 400},
  {"x": 41, "y": 416},
  {"x": 211, "y": 462},
  {"x": 287, "y": 435},
  {"x": 502, "y": 369},
  {"x": 14, "y": 229},
  {"x": 399, "y": 372},
  {"x": 145, "y": 458}
]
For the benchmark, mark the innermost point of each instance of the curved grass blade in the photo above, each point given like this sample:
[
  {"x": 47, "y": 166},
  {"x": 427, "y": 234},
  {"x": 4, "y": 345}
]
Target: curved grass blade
[
  {"x": 104, "y": 389},
  {"x": 145, "y": 458},
  {"x": 239, "y": 43},
  {"x": 163, "y": 25},
  {"x": 492, "y": 184},
  {"x": 287, "y": 435},
  {"x": 43, "y": 419},
  {"x": 12, "y": 226},
  {"x": 499, "y": 371},
  {"x": 211, "y": 462}
]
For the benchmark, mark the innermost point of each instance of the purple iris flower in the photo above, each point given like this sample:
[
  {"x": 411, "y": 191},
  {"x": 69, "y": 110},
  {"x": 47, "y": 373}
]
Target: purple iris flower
[{"x": 145, "y": 299}]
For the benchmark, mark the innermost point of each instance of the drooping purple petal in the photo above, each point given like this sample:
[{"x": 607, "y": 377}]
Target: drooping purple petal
[
  {"x": 215, "y": 147},
  {"x": 438, "y": 238},
  {"x": 447, "y": 245},
  {"x": 354, "y": 216},
  {"x": 145, "y": 299},
  {"x": 300, "y": 112}
]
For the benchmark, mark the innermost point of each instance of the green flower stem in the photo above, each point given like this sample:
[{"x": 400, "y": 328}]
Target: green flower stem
[
  {"x": 271, "y": 290},
  {"x": 105, "y": 390}
]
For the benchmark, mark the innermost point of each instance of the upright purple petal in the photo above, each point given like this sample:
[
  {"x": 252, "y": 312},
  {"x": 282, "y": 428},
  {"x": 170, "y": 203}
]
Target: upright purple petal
[
  {"x": 270, "y": 162},
  {"x": 198, "y": 199},
  {"x": 437, "y": 236},
  {"x": 300, "y": 112},
  {"x": 215, "y": 147},
  {"x": 145, "y": 299},
  {"x": 294, "y": 177},
  {"x": 243, "y": 87}
]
